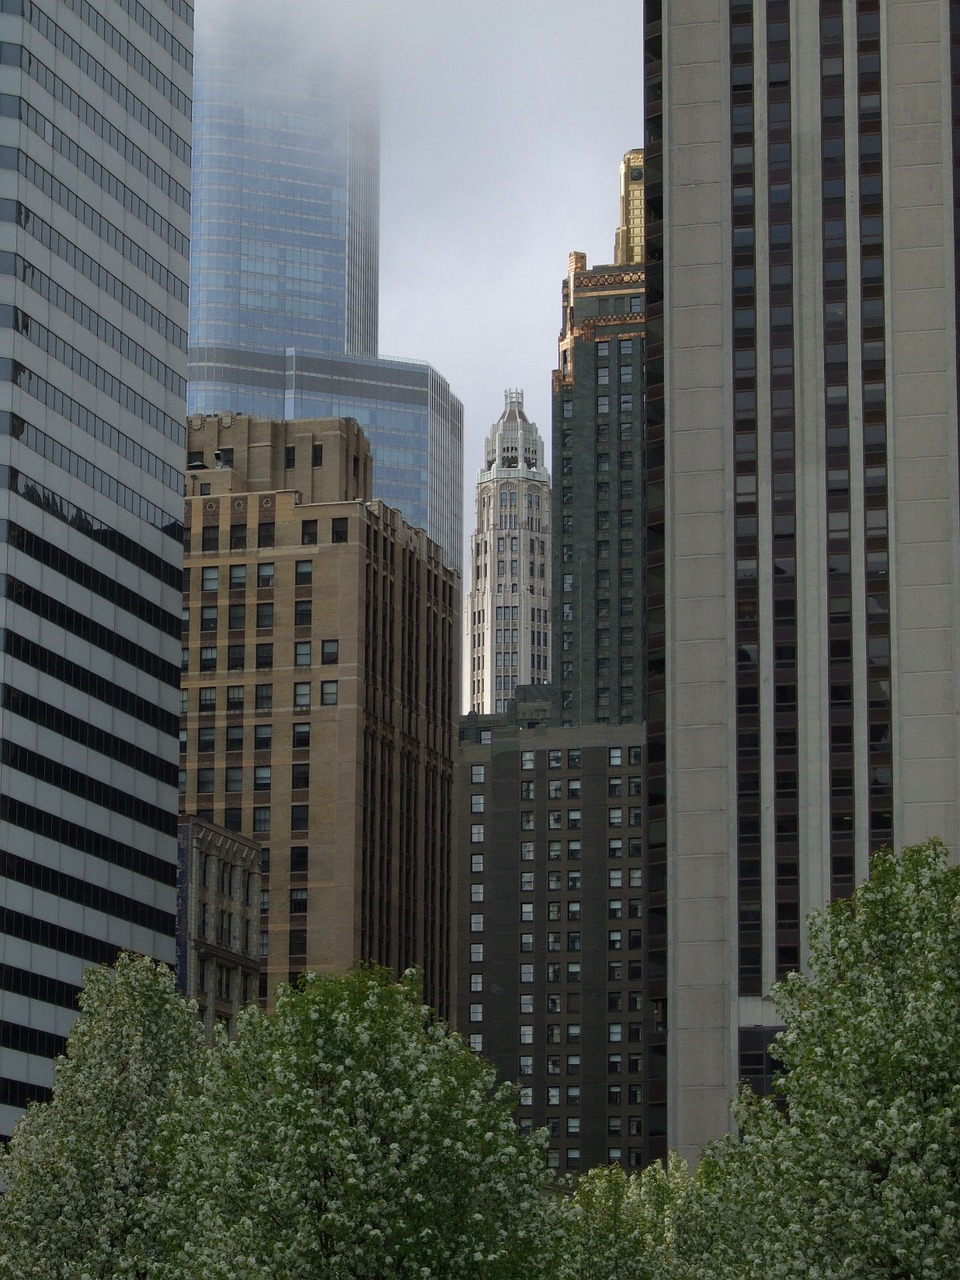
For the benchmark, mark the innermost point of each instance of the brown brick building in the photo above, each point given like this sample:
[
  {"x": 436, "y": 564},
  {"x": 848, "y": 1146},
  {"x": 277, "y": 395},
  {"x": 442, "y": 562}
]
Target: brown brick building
[{"x": 321, "y": 639}]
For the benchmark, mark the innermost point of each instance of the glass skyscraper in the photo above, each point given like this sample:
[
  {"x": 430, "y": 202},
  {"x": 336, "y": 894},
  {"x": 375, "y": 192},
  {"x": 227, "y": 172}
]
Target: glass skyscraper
[
  {"x": 285, "y": 248},
  {"x": 94, "y": 222}
]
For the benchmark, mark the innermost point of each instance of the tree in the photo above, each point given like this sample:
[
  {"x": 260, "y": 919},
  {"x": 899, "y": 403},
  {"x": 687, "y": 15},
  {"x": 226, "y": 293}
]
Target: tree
[
  {"x": 852, "y": 1169},
  {"x": 82, "y": 1171},
  {"x": 620, "y": 1226},
  {"x": 350, "y": 1135}
]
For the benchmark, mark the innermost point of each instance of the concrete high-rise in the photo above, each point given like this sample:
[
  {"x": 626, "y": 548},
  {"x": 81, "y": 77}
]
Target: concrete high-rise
[
  {"x": 285, "y": 254},
  {"x": 508, "y": 598},
  {"x": 801, "y": 495},
  {"x": 321, "y": 655},
  {"x": 94, "y": 225}
]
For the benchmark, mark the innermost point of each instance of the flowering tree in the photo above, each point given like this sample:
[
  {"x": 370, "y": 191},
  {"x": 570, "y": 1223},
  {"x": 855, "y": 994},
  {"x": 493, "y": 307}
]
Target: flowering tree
[
  {"x": 81, "y": 1173},
  {"x": 853, "y": 1170},
  {"x": 620, "y": 1226},
  {"x": 349, "y": 1135}
]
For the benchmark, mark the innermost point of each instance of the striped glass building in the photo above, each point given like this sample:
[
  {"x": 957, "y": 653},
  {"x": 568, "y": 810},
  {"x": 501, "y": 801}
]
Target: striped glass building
[{"x": 94, "y": 223}]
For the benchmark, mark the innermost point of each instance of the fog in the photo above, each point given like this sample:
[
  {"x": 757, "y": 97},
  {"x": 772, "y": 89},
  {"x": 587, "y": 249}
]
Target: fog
[{"x": 503, "y": 129}]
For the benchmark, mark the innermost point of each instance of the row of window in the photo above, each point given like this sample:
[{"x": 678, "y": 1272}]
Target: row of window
[
  {"x": 110, "y": 85},
  {"x": 261, "y": 818},
  {"x": 572, "y": 1064},
  {"x": 123, "y": 445},
  {"x": 209, "y": 654},
  {"x": 58, "y": 884},
  {"x": 574, "y": 848},
  {"x": 236, "y": 575},
  {"x": 237, "y": 537},
  {"x": 79, "y": 676},
  {"x": 234, "y": 735},
  {"x": 84, "y": 316},
  {"x": 234, "y": 778},
  {"x": 262, "y": 696},
  {"x": 80, "y": 624}
]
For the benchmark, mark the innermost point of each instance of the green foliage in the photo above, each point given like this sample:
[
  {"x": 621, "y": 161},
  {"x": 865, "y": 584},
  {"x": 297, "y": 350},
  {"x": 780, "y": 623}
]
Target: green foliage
[
  {"x": 346, "y": 1135},
  {"x": 852, "y": 1170},
  {"x": 628, "y": 1227},
  {"x": 349, "y": 1135},
  {"x": 81, "y": 1172}
]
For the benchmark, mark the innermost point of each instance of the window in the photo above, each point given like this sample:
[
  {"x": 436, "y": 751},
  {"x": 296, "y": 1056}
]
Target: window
[
  {"x": 209, "y": 577},
  {"x": 299, "y": 858},
  {"x": 208, "y": 698},
  {"x": 208, "y": 657},
  {"x": 205, "y": 739},
  {"x": 235, "y": 697},
  {"x": 264, "y": 657},
  {"x": 208, "y": 617},
  {"x": 265, "y": 574},
  {"x": 264, "y": 616},
  {"x": 338, "y": 529},
  {"x": 302, "y": 613},
  {"x": 477, "y": 802},
  {"x": 308, "y": 533},
  {"x": 266, "y": 533},
  {"x": 303, "y": 573},
  {"x": 298, "y": 901},
  {"x": 261, "y": 777},
  {"x": 237, "y": 576},
  {"x": 476, "y": 773},
  {"x": 329, "y": 652},
  {"x": 317, "y": 455},
  {"x": 299, "y": 817},
  {"x": 299, "y": 776},
  {"x": 302, "y": 656},
  {"x": 301, "y": 694},
  {"x": 238, "y": 537},
  {"x": 236, "y": 617},
  {"x": 301, "y": 735},
  {"x": 263, "y": 697},
  {"x": 290, "y": 457},
  {"x": 261, "y": 818},
  {"x": 476, "y": 922},
  {"x": 328, "y": 693}
]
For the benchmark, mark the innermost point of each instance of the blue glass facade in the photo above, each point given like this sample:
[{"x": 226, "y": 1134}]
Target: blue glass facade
[{"x": 284, "y": 268}]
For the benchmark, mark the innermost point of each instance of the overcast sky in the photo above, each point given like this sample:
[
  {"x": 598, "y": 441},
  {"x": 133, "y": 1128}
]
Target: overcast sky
[
  {"x": 504, "y": 123},
  {"x": 503, "y": 129}
]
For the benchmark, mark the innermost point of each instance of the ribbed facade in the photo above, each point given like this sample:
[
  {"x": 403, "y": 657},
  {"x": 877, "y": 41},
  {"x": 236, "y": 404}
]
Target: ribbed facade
[
  {"x": 801, "y": 494},
  {"x": 94, "y": 225}
]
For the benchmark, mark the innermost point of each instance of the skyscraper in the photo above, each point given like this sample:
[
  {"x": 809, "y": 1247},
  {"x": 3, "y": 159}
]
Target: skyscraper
[
  {"x": 550, "y": 792},
  {"x": 508, "y": 602},
  {"x": 94, "y": 221},
  {"x": 801, "y": 494},
  {"x": 321, "y": 652},
  {"x": 597, "y": 414},
  {"x": 285, "y": 253}
]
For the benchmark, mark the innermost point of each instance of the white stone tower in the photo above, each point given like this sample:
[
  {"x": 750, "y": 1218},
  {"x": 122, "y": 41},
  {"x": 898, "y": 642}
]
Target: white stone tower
[{"x": 508, "y": 594}]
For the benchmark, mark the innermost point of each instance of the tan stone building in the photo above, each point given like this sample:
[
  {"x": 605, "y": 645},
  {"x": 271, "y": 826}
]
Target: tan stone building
[
  {"x": 219, "y": 904},
  {"x": 321, "y": 639}
]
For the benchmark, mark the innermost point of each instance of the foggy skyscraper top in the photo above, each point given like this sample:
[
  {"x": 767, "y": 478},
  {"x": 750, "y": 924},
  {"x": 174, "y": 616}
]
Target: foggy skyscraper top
[
  {"x": 284, "y": 267},
  {"x": 285, "y": 231}
]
